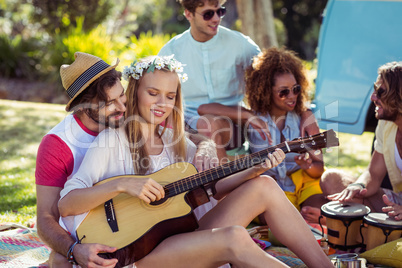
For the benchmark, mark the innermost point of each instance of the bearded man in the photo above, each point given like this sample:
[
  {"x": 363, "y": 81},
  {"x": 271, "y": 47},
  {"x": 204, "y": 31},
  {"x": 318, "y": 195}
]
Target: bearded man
[{"x": 339, "y": 186}]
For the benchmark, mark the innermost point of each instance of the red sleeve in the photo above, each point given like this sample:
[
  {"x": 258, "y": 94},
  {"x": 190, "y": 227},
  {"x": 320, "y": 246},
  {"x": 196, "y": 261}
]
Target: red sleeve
[{"x": 54, "y": 162}]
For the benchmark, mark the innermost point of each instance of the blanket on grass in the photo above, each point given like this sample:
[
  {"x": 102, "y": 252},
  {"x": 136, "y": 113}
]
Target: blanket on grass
[{"x": 22, "y": 247}]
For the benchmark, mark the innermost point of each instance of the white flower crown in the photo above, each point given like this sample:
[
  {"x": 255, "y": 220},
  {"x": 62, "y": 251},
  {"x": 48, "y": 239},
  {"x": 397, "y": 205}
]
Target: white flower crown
[{"x": 136, "y": 68}]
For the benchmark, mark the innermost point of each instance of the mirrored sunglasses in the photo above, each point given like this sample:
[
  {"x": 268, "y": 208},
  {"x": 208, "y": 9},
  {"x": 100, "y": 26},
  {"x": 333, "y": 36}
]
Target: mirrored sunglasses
[
  {"x": 209, "y": 14},
  {"x": 285, "y": 92}
]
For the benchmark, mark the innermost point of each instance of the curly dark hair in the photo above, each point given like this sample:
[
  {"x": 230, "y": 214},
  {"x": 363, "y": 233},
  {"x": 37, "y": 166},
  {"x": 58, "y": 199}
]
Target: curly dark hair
[
  {"x": 191, "y": 5},
  {"x": 391, "y": 75},
  {"x": 260, "y": 78}
]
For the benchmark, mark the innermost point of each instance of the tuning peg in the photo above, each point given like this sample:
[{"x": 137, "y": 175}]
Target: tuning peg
[
  {"x": 328, "y": 150},
  {"x": 317, "y": 152},
  {"x": 313, "y": 143}
]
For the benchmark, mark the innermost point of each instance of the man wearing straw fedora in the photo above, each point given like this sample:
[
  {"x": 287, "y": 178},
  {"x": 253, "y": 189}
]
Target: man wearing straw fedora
[{"x": 97, "y": 101}]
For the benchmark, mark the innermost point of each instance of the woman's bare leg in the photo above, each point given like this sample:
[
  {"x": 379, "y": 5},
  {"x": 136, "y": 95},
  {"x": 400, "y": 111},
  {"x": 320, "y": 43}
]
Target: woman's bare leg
[
  {"x": 209, "y": 248},
  {"x": 262, "y": 195}
]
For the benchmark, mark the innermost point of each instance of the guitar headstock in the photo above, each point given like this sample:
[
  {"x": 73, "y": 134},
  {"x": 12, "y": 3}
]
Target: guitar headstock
[{"x": 325, "y": 139}]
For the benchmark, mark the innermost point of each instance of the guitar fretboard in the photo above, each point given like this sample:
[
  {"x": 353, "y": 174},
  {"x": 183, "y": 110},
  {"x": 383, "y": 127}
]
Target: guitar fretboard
[{"x": 298, "y": 146}]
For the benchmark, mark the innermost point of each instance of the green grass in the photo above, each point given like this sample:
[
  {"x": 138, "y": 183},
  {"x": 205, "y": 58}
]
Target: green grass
[
  {"x": 353, "y": 153},
  {"x": 23, "y": 125}
]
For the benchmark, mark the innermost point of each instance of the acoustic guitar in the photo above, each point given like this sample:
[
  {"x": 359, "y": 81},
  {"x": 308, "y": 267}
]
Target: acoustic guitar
[{"x": 136, "y": 227}]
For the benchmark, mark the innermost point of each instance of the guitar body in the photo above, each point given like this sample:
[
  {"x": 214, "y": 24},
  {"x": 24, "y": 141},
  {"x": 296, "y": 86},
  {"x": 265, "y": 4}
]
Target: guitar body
[{"x": 141, "y": 226}]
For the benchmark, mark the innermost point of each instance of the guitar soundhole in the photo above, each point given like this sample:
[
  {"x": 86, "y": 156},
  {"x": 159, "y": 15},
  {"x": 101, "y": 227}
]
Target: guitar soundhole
[{"x": 159, "y": 202}]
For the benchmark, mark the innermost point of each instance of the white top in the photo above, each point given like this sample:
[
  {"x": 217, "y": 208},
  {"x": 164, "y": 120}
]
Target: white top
[
  {"x": 111, "y": 157},
  {"x": 398, "y": 158}
]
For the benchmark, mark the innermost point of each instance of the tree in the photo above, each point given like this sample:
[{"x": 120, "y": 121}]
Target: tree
[
  {"x": 257, "y": 21},
  {"x": 302, "y": 20},
  {"x": 57, "y": 16}
]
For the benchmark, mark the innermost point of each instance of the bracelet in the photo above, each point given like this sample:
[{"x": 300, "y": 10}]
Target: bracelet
[
  {"x": 358, "y": 184},
  {"x": 70, "y": 255}
]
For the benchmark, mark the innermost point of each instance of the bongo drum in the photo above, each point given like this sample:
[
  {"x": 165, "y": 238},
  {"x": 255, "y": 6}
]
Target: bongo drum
[
  {"x": 343, "y": 223},
  {"x": 380, "y": 230}
]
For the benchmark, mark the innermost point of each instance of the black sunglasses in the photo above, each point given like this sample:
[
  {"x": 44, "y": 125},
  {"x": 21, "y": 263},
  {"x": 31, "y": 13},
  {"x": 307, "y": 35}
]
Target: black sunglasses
[
  {"x": 285, "y": 92},
  {"x": 378, "y": 90},
  {"x": 209, "y": 14}
]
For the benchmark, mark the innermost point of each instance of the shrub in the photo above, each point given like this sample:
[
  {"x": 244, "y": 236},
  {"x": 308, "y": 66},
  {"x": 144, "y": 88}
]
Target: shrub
[
  {"x": 145, "y": 45},
  {"x": 19, "y": 57},
  {"x": 96, "y": 42},
  {"x": 148, "y": 44},
  {"x": 61, "y": 15}
]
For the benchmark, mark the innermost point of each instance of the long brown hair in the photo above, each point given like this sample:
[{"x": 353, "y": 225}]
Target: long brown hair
[
  {"x": 140, "y": 156},
  {"x": 391, "y": 75}
]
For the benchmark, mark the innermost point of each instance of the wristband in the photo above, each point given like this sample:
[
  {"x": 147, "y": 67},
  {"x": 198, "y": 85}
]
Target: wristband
[
  {"x": 358, "y": 184},
  {"x": 70, "y": 255}
]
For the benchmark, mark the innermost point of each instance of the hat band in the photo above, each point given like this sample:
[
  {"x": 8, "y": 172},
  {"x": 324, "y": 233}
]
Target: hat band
[{"x": 86, "y": 76}]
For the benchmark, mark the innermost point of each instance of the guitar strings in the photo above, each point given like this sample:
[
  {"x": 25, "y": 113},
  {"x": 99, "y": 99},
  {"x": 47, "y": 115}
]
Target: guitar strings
[
  {"x": 244, "y": 162},
  {"x": 199, "y": 179}
]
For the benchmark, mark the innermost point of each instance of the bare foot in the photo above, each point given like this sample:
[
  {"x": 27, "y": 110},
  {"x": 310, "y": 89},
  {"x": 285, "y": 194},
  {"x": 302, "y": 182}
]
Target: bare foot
[{"x": 311, "y": 214}]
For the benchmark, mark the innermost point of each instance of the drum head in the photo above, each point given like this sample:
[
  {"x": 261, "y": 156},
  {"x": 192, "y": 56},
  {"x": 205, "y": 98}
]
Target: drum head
[
  {"x": 377, "y": 219},
  {"x": 335, "y": 209}
]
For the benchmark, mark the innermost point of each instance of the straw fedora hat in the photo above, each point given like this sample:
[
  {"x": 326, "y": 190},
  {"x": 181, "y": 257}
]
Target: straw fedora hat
[{"x": 81, "y": 73}]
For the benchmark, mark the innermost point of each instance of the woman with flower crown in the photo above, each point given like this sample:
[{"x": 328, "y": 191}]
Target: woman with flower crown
[{"x": 143, "y": 147}]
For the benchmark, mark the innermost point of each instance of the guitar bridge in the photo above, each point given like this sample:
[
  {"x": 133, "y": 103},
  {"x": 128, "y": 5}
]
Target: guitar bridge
[{"x": 111, "y": 216}]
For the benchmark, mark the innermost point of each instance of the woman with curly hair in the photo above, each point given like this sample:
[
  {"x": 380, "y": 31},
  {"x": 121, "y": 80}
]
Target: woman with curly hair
[{"x": 277, "y": 91}]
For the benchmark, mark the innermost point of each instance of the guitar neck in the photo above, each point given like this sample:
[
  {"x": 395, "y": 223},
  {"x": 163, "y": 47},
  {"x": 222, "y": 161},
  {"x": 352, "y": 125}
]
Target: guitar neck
[
  {"x": 299, "y": 145},
  {"x": 217, "y": 173}
]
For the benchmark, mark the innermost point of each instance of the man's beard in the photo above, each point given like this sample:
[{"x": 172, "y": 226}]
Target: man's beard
[
  {"x": 387, "y": 115},
  {"x": 105, "y": 121}
]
